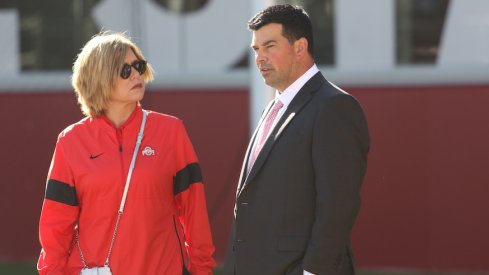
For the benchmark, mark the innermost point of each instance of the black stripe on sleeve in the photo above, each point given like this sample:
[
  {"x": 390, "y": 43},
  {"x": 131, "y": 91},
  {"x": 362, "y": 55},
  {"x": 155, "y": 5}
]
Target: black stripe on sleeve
[
  {"x": 188, "y": 175},
  {"x": 61, "y": 192}
]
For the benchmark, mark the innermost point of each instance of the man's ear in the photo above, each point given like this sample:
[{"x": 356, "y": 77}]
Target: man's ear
[{"x": 301, "y": 46}]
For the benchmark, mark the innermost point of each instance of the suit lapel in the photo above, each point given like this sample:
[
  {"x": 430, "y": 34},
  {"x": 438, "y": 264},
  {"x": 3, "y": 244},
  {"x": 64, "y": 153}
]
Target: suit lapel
[
  {"x": 300, "y": 100},
  {"x": 244, "y": 167}
]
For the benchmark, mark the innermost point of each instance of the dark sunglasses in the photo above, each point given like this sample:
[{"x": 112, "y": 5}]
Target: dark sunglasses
[{"x": 139, "y": 65}]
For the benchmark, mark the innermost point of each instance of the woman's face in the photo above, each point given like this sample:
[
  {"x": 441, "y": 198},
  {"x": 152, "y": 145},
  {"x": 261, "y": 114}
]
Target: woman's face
[{"x": 130, "y": 90}]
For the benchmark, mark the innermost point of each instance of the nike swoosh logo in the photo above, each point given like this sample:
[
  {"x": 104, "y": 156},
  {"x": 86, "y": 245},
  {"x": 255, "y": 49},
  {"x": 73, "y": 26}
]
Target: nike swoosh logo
[{"x": 95, "y": 156}]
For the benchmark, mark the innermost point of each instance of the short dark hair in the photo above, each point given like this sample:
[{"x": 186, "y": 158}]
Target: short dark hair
[{"x": 294, "y": 20}]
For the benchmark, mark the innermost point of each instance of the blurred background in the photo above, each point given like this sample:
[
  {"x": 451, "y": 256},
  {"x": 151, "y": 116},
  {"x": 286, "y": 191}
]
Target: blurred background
[{"x": 420, "y": 69}]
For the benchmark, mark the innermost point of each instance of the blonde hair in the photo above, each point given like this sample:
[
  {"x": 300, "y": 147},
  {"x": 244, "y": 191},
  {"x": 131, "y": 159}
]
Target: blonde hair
[{"x": 98, "y": 66}]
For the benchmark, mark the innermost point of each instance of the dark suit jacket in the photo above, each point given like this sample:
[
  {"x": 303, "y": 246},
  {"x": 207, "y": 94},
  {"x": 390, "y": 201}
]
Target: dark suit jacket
[{"x": 297, "y": 207}]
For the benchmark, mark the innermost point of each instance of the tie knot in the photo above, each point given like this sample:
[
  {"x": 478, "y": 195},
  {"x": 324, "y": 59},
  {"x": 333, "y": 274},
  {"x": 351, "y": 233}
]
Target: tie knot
[{"x": 278, "y": 105}]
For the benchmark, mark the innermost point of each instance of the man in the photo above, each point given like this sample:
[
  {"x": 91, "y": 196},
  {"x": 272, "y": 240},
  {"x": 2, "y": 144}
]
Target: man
[{"x": 299, "y": 191}]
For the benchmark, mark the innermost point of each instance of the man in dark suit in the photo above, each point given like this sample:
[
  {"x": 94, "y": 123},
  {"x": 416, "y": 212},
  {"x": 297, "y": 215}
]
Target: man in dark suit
[{"x": 299, "y": 191}]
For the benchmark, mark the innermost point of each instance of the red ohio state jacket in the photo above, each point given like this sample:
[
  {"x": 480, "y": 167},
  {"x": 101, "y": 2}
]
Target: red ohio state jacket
[{"x": 164, "y": 225}]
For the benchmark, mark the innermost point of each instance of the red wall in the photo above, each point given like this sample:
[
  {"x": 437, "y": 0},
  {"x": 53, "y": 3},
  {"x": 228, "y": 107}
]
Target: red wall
[
  {"x": 424, "y": 199},
  {"x": 426, "y": 195}
]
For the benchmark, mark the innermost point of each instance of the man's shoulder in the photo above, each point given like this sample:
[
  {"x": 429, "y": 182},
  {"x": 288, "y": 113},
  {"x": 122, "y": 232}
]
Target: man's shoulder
[{"x": 330, "y": 90}]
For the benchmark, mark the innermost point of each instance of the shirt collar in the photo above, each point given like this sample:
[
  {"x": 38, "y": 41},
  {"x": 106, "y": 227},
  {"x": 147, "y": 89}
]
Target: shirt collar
[{"x": 288, "y": 94}]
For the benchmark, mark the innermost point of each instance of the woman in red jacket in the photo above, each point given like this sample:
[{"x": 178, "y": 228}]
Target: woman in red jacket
[{"x": 164, "y": 227}]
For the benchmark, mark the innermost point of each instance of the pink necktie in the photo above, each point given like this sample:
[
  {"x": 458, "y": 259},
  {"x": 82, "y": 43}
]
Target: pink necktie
[{"x": 263, "y": 133}]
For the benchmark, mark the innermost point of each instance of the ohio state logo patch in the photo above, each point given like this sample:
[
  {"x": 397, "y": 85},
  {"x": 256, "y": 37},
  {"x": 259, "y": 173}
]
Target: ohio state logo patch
[{"x": 148, "y": 151}]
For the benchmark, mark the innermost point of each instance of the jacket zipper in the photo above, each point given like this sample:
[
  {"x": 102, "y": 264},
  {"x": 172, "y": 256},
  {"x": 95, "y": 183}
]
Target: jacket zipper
[{"x": 119, "y": 134}]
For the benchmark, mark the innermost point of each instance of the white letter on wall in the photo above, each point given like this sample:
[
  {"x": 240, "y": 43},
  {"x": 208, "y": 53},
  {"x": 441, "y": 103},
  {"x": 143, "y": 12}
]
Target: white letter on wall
[
  {"x": 364, "y": 34},
  {"x": 210, "y": 39},
  {"x": 465, "y": 37},
  {"x": 9, "y": 44}
]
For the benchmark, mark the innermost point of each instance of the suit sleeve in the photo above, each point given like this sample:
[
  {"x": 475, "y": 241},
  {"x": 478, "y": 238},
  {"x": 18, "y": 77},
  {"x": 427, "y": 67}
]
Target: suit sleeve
[
  {"x": 340, "y": 147},
  {"x": 191, "y": 204},
  {"x": 58, "y": 215}
]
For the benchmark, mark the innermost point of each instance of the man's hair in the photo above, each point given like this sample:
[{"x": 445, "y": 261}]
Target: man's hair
[
  {"x": 97, "y": 68},
  {"x": 294, "y": 20}
]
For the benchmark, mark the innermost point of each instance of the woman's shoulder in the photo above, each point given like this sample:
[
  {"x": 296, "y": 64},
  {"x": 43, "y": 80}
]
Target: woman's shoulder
[
  {"x": 77, "y": 129},
  {"x": 166, "y": 119}
]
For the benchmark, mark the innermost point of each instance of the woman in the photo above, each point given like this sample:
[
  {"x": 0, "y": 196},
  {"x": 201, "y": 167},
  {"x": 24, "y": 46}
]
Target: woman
[{"x": 164, "y": 227}]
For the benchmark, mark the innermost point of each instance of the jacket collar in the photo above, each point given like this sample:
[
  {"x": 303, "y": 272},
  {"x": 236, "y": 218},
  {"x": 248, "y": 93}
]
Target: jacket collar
[{"x": 132, "y": 121}]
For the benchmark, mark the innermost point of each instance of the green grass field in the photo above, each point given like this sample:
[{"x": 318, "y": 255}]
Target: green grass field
[
  {"x": 30, "y": 269},
  {"x": 18, "y": 269}
]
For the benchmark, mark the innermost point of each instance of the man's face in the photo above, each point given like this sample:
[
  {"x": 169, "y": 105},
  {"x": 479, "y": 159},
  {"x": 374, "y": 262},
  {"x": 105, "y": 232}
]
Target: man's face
[{"x": 275, "y": 57}]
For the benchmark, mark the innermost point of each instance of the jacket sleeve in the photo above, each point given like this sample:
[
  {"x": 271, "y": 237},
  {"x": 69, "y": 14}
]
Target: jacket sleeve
[
  {"x": 340, "y": 147},
  {"x": 58, "y": 215},
  {"x": 191, "y": 204}
]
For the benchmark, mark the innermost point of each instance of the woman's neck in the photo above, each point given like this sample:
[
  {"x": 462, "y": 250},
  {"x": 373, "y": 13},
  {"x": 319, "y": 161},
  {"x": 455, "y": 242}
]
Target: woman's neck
[{"x": 119, "y": 113}]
